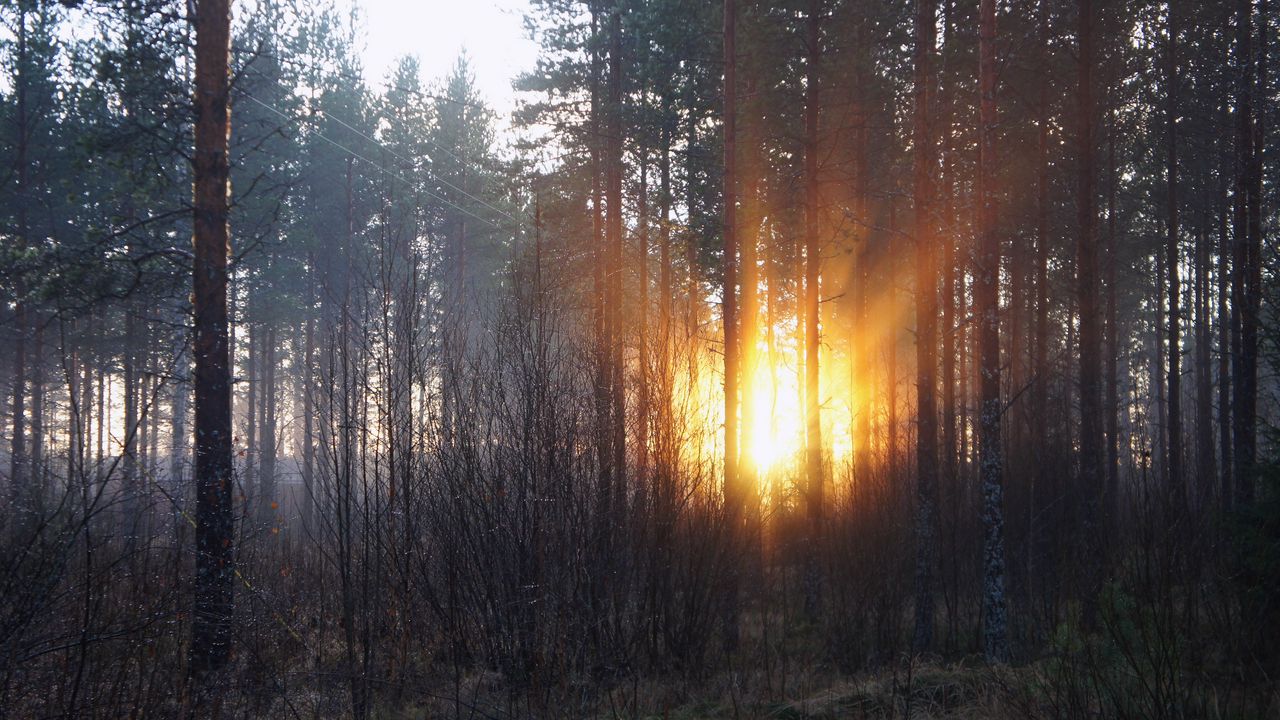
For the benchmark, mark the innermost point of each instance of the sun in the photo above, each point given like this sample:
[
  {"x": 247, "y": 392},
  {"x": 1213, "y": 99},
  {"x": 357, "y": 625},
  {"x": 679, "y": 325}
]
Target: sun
[{"x": 776, "y": 432}]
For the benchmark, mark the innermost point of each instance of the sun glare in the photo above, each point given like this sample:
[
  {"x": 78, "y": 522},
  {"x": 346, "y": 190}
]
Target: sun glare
[{"x": 773, "y": 432}]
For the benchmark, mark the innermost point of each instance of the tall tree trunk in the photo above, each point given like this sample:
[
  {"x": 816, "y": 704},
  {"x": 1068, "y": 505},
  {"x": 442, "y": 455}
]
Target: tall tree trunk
[
  {"x": 88, "y": 400},
  {"x": 1091, "y": 322},
  {"x": 211, "y": 625},
  {"x": 1160, "y": 379},
  {"x": 926, "y": 325},
  {"x": 1205, "y": 480},
  {"x": 729, "y": 289},
  {"x": 129, "y": 452},
  {"x": 749, "y": 314},
  {"x": 1173, "y": 259},
  {"x": 862, "y": 271},
  {"x": 613, "y": 204},
  {"x": 19, "y": 462},
  {"x": 1226, "y": 339},
  {"x": 987, "y": 310},
  {"x": 603, "y": 410},
  {"x": 1111, "y": 328},
  {"x": 948, "y": 224},
  {"x": 308, "y": 410},
  {"x": 813, "y": 420},
  {"x": 178, "y": 407},
  {"x": 252, "y": 381},
  {"x": 267, "y": 455},
  {"x": 729, "y": 300},
  {"x": 643, "y": 389},
  {"x": 37, "y": 361},
  {"x": 1247, "y": 261},
  {"x": 666, "y": 288}
]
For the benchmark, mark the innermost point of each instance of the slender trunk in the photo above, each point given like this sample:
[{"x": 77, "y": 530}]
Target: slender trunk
[
  {"x": 889, "y": 266},
  {"x": 129, "y": 456},
  {"x": 1041, "y": 497},
  {"x": 643, "y": 391},
  {"x": 1247, "y": 261},
  {"x": 1173, "y": 256},
  {"x": 1158, "y": 364},
  {"x": 251, "y": 410},
  {"x": 666, "y": 297},
  {"x": 749, "y": 315},
  {"x": 267, "y": 458},
  {"x": 987, "y": 310},
  {"x": 813, "y": 421},
  {"x": 1091, "y": 420},
  {"x": 211, "y": 626},
  {"x": 178, "y": 408},
  {"x": 308, "y": 410},
  {"x": 729, "y": 289},
  {"x": 950, "y": 285},
  {"x": 613, "y": 204},
  {"x": 19, "y": 465},
  {"x": 88, "y": 401},
  {"x": 862, "y": 271},
  {"x": 926, "y": 326},
  {"x": 729, "y": 299},
  {"x": 950, "y": 481},
  {"x": 1204, "y": 372},
  {"x": 1111, "y": 328},
  {"x": 604, "y": 455},
  {"x": 1226, "y": 334}
]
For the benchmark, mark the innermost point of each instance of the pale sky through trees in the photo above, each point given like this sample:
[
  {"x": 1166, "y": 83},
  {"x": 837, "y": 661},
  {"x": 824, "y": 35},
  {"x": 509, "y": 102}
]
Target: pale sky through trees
[{"x": 436, "y": 31}]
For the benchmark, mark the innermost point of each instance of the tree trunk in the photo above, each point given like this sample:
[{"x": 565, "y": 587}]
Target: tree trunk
[
  {"x": 308, "y": 409},
  {"x": 862, "y": 442},
  {"x": 267, "y": 455},
  {"x": 248, "y": 476},
  {"x": 729, "y": 288},
  {"x": 926, "y": 326},
  {"x": 613, "y": 204},
  {"x": 603, "y": 410},
  {"x": 1090, "y": 342},
  {"x": 987, "y": 310},
  {"x": 178, "y": 408},
  {"x": 1247, "y": 262},
  {"x": 729, "y": 300},
  {"x": 749, "y": 314},
  {"x": 129, "y": 454},
  {"x": 1111, "y": 328},
  {"x": 211, "y": 625},
  {"x": 1173, "y": 259},
  {"x": 1204, "y": 373},
  {"x": 19, "y": 463},
  {"x": 1226, "y": 339},
  {"x": 813, "y": 421}
]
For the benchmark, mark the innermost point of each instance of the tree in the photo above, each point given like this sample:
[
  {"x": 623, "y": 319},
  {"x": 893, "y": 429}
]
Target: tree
[
  {"x": 211, "y": 621},
  {"x": 733, "y": 491},
  {"x": 1173, "y": 260},
  {"x": 815, "y": 486},
  {"x": 1091, "y": 320},
  {"x": 987, "y": 310},
  {"x": 926, "y": 325}
]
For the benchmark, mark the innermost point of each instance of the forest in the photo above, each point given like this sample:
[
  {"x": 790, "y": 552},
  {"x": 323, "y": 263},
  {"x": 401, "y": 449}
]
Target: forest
[{"x": 770, "y": 359}]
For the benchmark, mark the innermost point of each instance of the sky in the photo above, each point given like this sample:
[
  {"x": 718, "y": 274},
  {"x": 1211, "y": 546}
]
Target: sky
[{"x": 436, "y": 31}]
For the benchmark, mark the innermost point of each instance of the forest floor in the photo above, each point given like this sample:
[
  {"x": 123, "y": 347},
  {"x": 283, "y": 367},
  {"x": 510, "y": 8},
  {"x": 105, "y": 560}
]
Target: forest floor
[
  {"x": 910, "y": 689},
  {"x": 906, "y": 691}
]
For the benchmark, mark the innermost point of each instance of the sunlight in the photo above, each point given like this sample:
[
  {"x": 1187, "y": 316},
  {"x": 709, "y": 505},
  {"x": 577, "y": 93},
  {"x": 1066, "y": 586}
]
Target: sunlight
[
  {"x": 776, "y": 434},
  {"x": 773, "y": 414}
]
